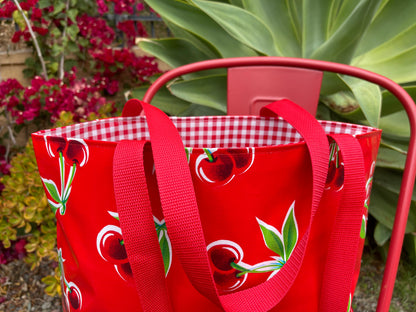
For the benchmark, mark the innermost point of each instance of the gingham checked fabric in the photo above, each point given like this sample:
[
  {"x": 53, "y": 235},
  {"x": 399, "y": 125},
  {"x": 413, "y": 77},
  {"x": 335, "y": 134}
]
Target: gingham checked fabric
[{"x": 204, "y": 131}]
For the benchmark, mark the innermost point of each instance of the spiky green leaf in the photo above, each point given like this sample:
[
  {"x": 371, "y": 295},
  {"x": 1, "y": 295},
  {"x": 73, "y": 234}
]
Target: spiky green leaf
[
  {"x": 368, "y": 96},
  {"x": 383, "y": 207},
  {"x": 164, "y": 100},
  {"x": 391, "y": 104},
  {"x": 197, "y": 22},
  {"x": 209, "y": 91},
  {"x": 342, "y": 43},
  {"x": 240, "y": 24},
  {"x": 175, "y": 52},
  {"x": 274, "y": 13},
  {"x": 381, "y": 234}
]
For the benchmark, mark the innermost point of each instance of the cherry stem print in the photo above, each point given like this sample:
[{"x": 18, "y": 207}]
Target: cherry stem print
[
  {"x": 334, "y": 150},
  {"x": 230, "y": 272},
  {"x": 335, "y": 177},
  {"x": 72, "y": 293},
  {"x": 209, "y": 155},
  {"x": 262, "y": 267},
  {"x": 73, "y": 152}
]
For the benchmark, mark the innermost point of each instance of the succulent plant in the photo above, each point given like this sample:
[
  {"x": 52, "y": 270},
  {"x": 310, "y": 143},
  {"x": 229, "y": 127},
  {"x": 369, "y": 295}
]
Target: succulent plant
[{"x": 377, "y": 35}]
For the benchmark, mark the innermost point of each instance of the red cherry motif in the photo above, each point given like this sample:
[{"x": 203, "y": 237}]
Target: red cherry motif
[
  {"x": 335, "y": 177},
  {"x": 227, "y": 282},
  {"x": 73, "y": 150},
  {"x": 55, "y": 145},
  {"x": 110, "y": 245},
  {"x": 243, "y": 158},
  {"x": 76, "y": 152},
  {"x": 331, "y": 173},
  {"x": 221, "y": 167},
  {"x": 339, "y": 177},
  {"x": 125, "y": 271},
  {"x": 73, "y": 295},
  {"x": 214, "y": 167},
  {"x": 74, "y": 298},
  {"x": 222, "y": 255}
]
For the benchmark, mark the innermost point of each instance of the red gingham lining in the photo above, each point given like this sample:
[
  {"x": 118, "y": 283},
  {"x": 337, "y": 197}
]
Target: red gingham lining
[{"x": 205, "y": 131}]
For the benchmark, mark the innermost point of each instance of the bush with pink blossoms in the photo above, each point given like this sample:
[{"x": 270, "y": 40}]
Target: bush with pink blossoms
[
  {"x": 67, "y": 35},
  {"x": 70, "y": 33},
  {"x": 44, "y": 100}
]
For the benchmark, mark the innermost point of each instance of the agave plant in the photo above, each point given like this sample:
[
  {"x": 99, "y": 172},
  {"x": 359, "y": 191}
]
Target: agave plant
[{"x": 377, "y": 35}]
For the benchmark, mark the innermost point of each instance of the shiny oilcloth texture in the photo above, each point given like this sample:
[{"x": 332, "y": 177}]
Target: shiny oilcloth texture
[{"x": 253, "y": 214}]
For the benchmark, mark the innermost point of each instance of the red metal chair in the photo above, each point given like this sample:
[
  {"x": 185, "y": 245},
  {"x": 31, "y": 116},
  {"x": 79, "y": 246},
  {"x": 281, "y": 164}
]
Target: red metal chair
[{"x": 256, "y": 81}]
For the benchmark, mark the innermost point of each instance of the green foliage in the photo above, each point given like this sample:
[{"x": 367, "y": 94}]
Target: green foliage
[
  {"x": 366, "y": 34},
  {"x": 24, "y": 210}
]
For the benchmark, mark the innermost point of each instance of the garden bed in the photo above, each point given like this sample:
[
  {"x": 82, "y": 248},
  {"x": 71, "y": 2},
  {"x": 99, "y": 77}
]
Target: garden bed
[{"x": 22, "y": 290}]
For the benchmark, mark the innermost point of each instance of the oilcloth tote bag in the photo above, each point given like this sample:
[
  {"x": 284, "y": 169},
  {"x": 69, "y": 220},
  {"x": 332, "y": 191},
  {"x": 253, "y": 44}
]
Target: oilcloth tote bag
[{"x": 217, "y": 213}]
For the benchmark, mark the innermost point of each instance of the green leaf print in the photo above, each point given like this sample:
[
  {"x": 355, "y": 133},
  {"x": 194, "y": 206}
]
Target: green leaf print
[
  {"x": 363, "y": 228},
  {"x": 290, "y": 231},
  {"x": 52, "y": 189},
  {"x": 164, "y": 243},
  {"x": 272, "y": 238}
]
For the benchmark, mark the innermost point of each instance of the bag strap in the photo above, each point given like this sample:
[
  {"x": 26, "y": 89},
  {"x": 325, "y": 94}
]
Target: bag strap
[
  {"x": 343, "y": 248},
  {"x": 138, "y": 226},
  {"x": 182, "y": 216}
]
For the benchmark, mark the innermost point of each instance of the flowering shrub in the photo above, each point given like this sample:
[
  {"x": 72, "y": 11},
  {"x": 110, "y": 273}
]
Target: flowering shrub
[
  {"x": 46, "y": 99},
  {"x": 76, "y": 71},
  {"x": 73, "y": 32}
]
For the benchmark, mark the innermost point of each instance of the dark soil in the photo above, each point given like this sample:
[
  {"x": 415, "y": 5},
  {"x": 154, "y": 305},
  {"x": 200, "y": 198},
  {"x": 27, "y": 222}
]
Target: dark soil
[{"x": 22, "y": 290}]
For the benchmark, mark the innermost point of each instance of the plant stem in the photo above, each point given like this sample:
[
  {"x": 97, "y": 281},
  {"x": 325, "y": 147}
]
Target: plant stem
[
  {"x": 62, "y": 59},
  {"x": 35, "y": 41}
]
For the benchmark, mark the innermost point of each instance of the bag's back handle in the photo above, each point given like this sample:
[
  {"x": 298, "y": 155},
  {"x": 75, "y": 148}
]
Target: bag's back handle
[{"x": 409, "y": 174}]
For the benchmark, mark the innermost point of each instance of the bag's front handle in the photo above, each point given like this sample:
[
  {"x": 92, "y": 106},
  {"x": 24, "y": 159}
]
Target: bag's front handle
[
  {"x": 182, "y": 216},
  {"x": 141, "y": 242}
]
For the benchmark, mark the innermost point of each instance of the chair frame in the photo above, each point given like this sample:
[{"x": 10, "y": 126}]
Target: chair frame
[{"x": 409, "y": 173}]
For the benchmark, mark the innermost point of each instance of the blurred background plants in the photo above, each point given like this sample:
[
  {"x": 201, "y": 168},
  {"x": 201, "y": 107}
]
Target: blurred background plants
[
  {"x": 82, "y": 62},
  {"x": 377, "y": 35}
]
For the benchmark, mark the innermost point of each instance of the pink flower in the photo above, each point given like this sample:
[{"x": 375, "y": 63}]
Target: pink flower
[
  {"x": 36, "y": 14},
  {"x": 13, "y": 102},
  {"x": 41, "y": 31},
  {"x": 102, "y": 7},
  {"x": 16, "y": 36},
  {"x": 112, "y": 87},
  {"x": 140, "y": 6},
  {"x": 7, "y": 9}
]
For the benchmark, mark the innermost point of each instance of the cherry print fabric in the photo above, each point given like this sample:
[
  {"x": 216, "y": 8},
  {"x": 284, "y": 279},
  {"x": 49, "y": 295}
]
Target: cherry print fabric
[{"x": 253, "y": 182}]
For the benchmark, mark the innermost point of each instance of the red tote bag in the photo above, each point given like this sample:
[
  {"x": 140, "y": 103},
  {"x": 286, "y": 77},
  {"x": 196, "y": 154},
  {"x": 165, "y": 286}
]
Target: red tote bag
[{"x": 214, "y": 213}]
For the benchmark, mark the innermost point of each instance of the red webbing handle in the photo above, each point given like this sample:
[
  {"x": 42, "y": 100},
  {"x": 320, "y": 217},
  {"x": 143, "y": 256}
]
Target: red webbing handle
[
  {"x": 343, "y": 248},
  {"x": 182, "y": 216},
  {"x": 138, "y": 226}
]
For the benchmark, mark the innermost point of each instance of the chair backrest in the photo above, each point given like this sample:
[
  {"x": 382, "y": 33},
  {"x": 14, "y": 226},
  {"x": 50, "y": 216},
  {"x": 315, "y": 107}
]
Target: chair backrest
[
  {"x": 251, "y": 87},
  {"x": 256, "y": 81}
]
